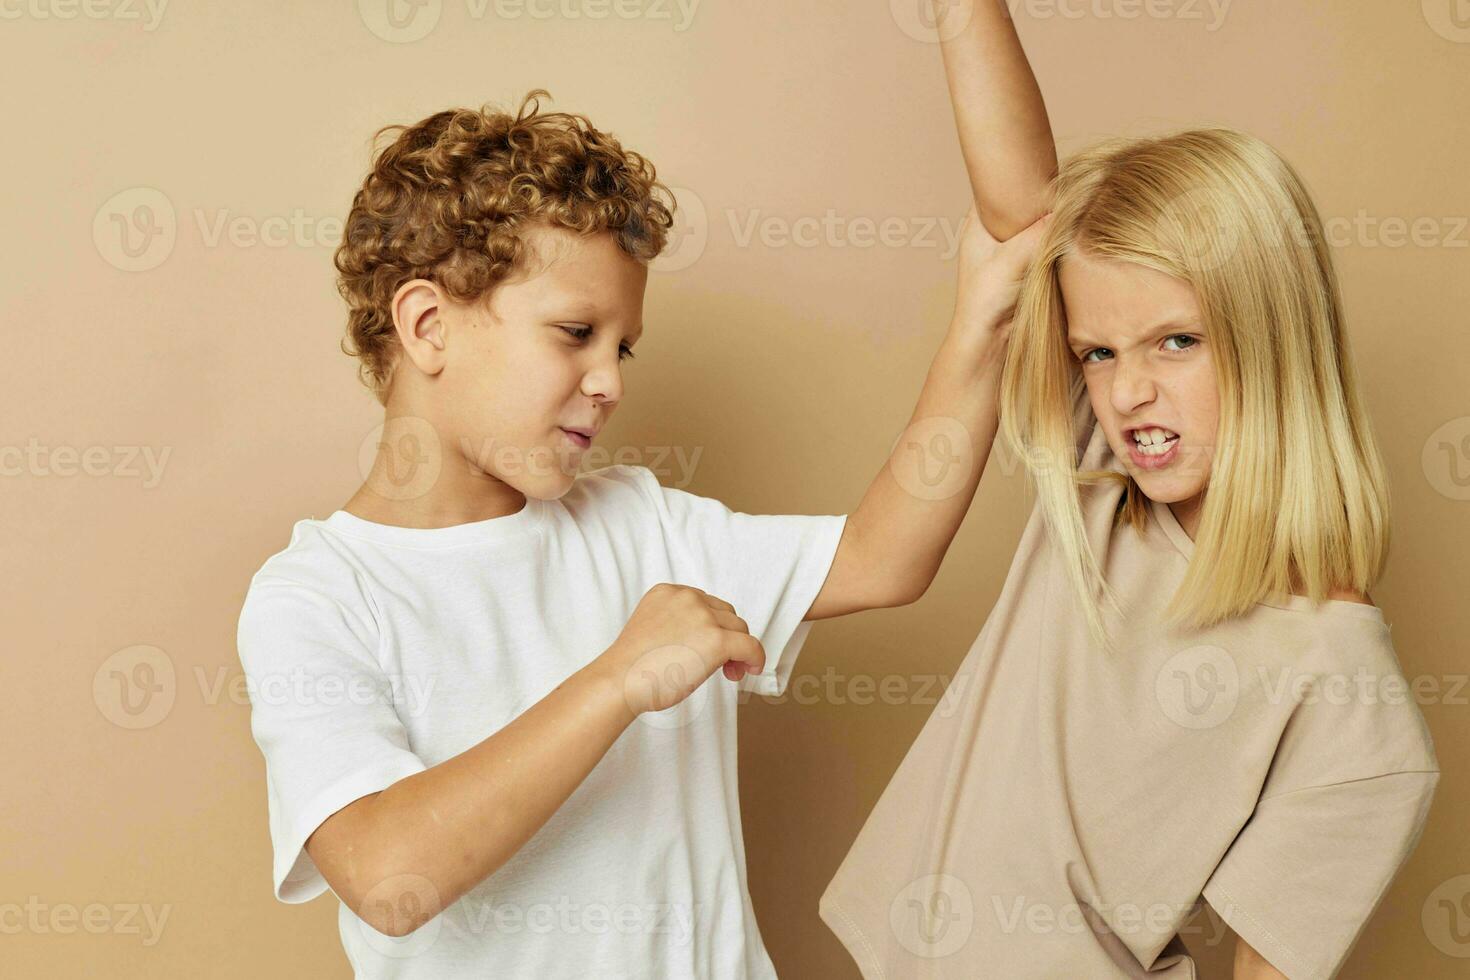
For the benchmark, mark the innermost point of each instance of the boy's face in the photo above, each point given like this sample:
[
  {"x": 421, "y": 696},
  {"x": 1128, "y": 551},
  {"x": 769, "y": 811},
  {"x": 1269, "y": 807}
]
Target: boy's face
[
  {"x": 1140, "y": 337},
  {"x": 510, "y": 377}
]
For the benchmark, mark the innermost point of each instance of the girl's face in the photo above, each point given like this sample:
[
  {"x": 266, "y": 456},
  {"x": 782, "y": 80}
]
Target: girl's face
[{"x": 1139, "y": 337}]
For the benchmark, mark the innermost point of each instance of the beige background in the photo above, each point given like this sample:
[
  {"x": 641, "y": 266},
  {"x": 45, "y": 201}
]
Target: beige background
[{"x": 789, "y": 369}]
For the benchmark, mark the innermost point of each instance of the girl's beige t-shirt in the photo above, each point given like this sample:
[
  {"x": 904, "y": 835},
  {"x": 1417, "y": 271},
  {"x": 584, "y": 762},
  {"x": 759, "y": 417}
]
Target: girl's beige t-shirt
[{"x": 1062, "y": 813}]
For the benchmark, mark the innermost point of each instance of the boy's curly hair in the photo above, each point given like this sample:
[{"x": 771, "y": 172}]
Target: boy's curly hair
[{"x": 448, "y": 201}]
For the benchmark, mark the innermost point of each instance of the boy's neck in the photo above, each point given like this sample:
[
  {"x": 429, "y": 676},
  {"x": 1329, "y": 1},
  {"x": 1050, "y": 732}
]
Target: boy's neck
[
  {"x": 431, "y": 513},
  {"x": 457, "y": 494}
]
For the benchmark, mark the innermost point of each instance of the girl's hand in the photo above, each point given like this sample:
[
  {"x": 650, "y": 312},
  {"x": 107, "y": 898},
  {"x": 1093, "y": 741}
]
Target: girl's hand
[{"x": 990, "y": 275}]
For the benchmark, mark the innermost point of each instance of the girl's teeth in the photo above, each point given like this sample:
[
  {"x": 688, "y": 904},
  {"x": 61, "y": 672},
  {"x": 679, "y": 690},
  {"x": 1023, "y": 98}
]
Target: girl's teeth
[
  {"x": 1157, "y": 448},
  {"x": 1146, "y": 437}
]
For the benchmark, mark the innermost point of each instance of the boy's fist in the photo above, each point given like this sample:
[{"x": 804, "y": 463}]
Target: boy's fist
[{"x": 674, "y": 641}]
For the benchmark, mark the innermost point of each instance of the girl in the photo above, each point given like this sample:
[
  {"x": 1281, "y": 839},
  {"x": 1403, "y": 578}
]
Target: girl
[{"x": 1184, "y": 690}]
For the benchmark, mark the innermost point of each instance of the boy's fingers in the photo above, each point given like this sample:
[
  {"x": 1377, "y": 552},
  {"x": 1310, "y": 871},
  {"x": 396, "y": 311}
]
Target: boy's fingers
[
  {"x": 716, "y": 602},
  {"x": 747, "y": 650},
  {"x": 730, "y": 621}
]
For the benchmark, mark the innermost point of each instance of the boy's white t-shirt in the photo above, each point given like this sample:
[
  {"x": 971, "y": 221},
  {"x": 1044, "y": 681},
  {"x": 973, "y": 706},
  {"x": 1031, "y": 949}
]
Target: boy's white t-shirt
[{"x": 374, "y": 652}]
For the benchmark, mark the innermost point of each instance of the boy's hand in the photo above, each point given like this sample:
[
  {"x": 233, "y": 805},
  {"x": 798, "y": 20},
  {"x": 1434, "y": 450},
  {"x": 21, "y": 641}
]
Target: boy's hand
[
  {"x": 990, "y": 275},
  {"x": 674, "y": 641}
]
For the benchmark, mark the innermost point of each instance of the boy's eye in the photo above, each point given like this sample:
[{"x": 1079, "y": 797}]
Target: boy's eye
[{"x": 582, "y": 333}]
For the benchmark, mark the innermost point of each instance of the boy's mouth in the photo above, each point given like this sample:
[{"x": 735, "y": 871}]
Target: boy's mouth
[{"x": 579, "y": 437}]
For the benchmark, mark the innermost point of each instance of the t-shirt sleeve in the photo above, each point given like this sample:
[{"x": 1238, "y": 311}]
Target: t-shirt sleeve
[
  {"x": 1344, "y": 802},
  {"x": 1310, "y": 867},
  {"x": 322, "y": 712},
  {"x": 770, "y": 567}
]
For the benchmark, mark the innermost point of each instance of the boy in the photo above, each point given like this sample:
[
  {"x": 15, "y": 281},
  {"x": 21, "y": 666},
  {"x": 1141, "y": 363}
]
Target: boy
[{"x": 502, "y": 746}]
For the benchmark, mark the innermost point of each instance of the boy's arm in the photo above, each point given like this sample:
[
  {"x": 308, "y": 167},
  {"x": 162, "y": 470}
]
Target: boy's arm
[
  {"x": 894, "y": 542},
  {"x": 398, "y": 857},
  {"x": 999, "y": 112}
]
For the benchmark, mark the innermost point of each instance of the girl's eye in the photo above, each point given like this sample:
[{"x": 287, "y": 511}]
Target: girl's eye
[
  {"x": 582, "y": 333},
  {"x": 1095, "y": 350},
  {"x": 1182, "y": 336}
]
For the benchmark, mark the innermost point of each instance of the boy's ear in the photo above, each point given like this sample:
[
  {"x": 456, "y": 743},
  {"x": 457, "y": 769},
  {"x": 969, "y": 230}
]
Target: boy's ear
[{"x": 418, "y": 317}]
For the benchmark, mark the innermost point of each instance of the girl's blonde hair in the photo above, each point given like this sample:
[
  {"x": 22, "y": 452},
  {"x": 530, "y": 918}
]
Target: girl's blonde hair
[{"x": 1296, "y": 482}]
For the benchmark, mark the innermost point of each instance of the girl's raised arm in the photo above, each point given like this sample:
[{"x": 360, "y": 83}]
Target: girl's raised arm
[{"x": 1001, "y": 117}]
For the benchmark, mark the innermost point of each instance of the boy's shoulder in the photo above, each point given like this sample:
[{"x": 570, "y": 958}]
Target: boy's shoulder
[
  {"x": 620, "y": 486},
  {"x": 315, "y": 557}
]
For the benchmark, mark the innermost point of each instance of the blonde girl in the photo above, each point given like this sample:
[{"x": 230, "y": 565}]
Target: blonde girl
[{"x": 1184, "y": 692}]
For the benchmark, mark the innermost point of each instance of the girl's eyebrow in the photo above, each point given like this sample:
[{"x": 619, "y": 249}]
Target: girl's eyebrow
[{"x": 1172, "y": 325}]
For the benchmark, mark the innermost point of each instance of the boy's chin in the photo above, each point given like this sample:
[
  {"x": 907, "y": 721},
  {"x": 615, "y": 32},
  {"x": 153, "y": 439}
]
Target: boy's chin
[{"x": 545, "y": 486}]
